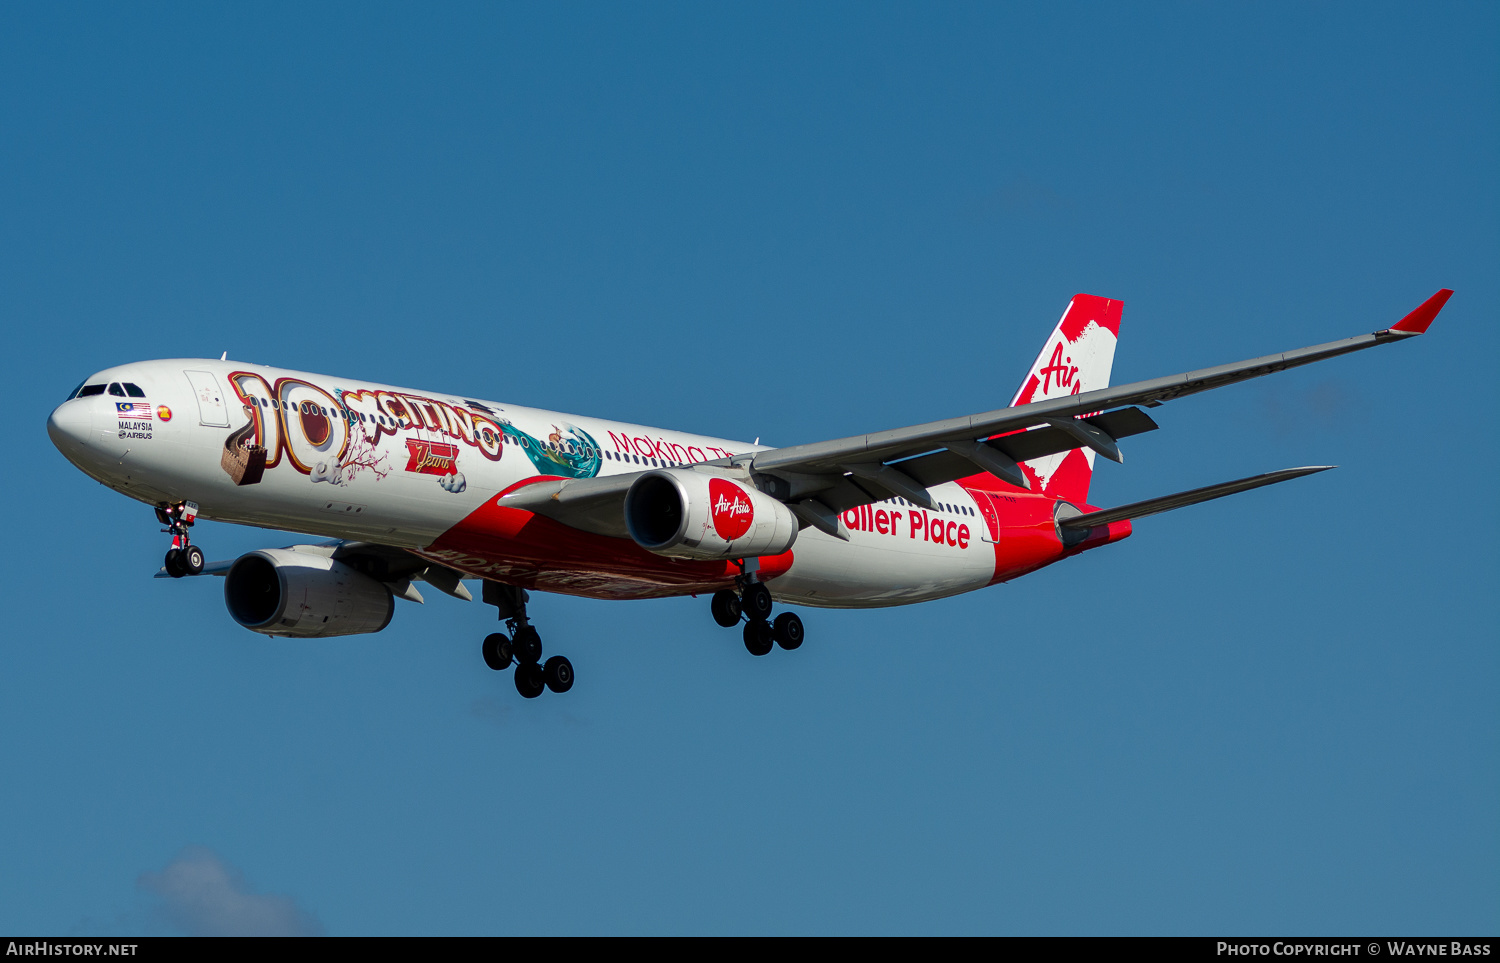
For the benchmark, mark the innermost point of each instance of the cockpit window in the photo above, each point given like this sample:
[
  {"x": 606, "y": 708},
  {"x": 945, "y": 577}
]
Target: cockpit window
[
  {"x": 88, "y": 390},
  {"x": 74, "y": 393},
  {"x": 116, "y": 390},
  {"x": 134, "y": 391}
]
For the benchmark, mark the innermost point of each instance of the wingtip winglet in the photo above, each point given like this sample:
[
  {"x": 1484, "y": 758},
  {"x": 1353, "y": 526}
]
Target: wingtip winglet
[{"x": 1418, "y": 321}]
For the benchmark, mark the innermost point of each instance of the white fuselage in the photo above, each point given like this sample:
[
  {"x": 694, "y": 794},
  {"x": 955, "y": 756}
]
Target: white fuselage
[{"x": 351, "y": 459}]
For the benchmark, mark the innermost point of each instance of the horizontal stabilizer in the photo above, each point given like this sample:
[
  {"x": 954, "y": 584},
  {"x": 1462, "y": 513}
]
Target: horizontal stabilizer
[{"x": 1154, "y": 506}]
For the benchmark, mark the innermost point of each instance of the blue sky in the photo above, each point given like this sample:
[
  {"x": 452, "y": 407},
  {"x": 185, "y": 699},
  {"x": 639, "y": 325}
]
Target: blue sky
[{"x": 1274, "y": 713}]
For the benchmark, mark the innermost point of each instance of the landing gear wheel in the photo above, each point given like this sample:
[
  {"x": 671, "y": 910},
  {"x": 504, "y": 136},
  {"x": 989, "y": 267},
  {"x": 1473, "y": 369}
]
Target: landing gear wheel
[
  {"x": 191, "y": 560},
  {"x": 173, "y": 563},
  {"x": 497, "y": 651},
  {"x": 788, "y": 630},
  {"x": 759, "y": 637},
  {"x": 527, "y": 647},
  {"x": 529, "y": 680},
  {"x": 758, "y": 602},
  {"x": 558, "y": 674},
  {"x": 726, "y": 608}
]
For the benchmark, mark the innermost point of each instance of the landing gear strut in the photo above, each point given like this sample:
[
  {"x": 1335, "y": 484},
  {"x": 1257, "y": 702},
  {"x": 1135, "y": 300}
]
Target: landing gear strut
[
  {"x": 523, "y": 646},
  {"x": 753, "y": 601},
  {"x": 183, "y": 558}
]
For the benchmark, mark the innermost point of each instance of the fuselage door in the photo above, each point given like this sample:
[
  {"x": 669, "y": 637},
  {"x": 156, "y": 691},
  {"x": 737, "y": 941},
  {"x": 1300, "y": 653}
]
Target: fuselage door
[{"x": 211, "y": 410}]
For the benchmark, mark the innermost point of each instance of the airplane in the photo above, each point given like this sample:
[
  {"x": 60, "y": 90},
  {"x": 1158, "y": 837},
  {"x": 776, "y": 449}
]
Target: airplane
[{"x": 413, "y": 486}]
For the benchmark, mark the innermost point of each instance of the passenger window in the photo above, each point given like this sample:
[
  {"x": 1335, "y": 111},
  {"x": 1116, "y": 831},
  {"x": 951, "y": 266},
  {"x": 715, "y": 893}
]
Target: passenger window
[{"x": 116, "y": 390}]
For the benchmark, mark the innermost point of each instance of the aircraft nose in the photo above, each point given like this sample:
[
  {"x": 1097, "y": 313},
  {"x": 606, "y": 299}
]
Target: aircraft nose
[{"x": 68, "y": 426}]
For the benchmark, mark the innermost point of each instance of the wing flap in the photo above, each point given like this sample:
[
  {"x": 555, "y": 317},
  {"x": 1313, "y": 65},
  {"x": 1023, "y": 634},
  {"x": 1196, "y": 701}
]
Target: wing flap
[{"x": 937, "y": 467}]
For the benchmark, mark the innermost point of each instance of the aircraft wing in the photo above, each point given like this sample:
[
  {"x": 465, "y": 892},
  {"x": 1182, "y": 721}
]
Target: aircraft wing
[{"x": 828, "y": 477}]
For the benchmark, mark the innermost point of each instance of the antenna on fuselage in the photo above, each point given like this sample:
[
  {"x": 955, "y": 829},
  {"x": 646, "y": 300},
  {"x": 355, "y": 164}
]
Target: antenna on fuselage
[{"x": 224, "y": 356}]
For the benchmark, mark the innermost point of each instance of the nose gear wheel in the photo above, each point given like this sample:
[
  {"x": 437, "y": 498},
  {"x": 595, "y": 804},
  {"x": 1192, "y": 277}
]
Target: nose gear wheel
[{"x": 183, "y": 558}]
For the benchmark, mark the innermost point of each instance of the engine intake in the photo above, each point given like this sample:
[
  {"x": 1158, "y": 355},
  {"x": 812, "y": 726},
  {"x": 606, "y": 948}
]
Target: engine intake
[
  {"x": 277, "y": 591},
  {"x": 692, "y": 514}
]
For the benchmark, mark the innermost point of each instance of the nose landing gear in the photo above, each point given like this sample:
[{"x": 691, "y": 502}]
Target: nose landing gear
[
  {"x": 183, "y": 558},
  {"x": 523, "y": 646},
  {"x": 753, "y": 602}
]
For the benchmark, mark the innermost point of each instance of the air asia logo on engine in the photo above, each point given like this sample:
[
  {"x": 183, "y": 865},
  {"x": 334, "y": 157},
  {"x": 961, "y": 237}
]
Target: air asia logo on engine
[
  {"x": 431, "y": 457},
  {"x": 730, "y": 508}
]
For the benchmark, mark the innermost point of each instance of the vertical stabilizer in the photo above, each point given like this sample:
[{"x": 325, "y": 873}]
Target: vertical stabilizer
[{"x": 1076, "y": 358}]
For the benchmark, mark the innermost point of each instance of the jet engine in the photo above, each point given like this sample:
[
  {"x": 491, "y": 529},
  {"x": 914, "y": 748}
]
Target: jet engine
[
  {"x": 278, "y": 591},
  {"x": 692, "y": 514}
]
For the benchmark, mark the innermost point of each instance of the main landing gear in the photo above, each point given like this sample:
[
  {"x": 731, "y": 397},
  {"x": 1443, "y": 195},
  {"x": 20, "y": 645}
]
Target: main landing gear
[
  {"x": 753, "y": 603},
  {"x": 523, "y": 646},
  {"x": 183, "y": 558}
]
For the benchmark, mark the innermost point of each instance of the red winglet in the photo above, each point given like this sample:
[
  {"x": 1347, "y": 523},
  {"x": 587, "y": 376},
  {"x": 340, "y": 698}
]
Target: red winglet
[{"x": 1418, "y": 320}]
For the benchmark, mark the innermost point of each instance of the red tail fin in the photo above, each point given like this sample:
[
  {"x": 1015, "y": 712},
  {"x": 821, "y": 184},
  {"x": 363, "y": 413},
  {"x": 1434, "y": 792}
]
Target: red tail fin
[{"x": 1076, "y": 358}]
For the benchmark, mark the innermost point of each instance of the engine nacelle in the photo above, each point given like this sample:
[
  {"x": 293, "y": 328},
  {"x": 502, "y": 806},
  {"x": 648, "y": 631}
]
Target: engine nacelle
[
  {"x": 692, "y": 514},
  {"x": 277, "y": 591}
]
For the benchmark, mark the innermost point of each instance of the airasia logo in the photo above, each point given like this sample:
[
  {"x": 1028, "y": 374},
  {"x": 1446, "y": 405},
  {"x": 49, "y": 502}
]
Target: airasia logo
[
  {"x": 1060, "y": 371},
  {"x": 730, "y": 509}
]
